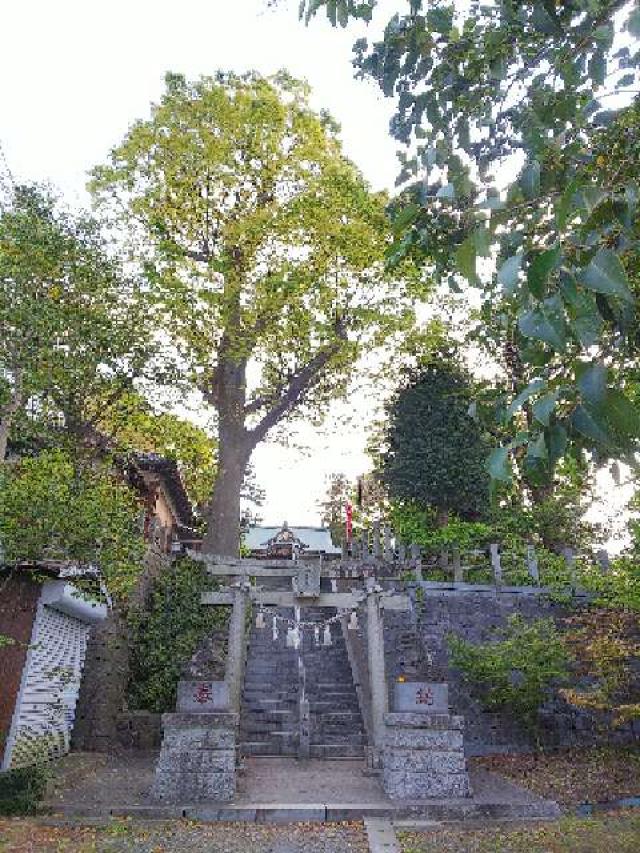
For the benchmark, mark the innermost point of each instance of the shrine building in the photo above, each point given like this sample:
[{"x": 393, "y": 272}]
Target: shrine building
[{"x": 283, "y": 542}]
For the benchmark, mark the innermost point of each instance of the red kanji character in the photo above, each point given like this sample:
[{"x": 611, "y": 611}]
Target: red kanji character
[{"x": 202, "y": 693}]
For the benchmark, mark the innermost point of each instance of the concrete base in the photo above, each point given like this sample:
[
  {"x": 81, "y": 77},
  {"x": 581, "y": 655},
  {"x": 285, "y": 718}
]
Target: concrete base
[
  {"x": 198, "y": 758},
  {"x": 276, "y": 790},
  {"x": 423, "y": 757}
]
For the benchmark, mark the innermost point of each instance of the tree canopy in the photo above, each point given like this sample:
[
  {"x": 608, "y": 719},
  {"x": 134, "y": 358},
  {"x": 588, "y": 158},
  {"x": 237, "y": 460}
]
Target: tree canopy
[
  {"x": 54, "y": 507},
  {"x": 505, "y": 186},
  {"x": 70, "y": 321},
  {"x": 434, "y": 453},
  {"x": 264, "y": 248}
]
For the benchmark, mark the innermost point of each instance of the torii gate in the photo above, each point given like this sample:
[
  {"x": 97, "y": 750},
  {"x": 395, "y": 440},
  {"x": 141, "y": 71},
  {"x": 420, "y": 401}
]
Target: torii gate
[{"x": 305, "y": 592}]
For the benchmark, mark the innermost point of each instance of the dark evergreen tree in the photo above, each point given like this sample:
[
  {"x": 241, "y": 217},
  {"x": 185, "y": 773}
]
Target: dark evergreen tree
[{"x": 435, "y": 454}]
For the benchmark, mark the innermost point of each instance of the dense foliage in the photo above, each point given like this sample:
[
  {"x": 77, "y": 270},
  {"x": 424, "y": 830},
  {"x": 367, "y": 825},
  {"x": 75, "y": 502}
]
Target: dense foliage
[
  {"x": 165, "y": 632},
  {"x": 516, "y": 672},
  {"x": 415, "y": 525},
  {"x": 133, "y": 425},
  {"x": 508, "y": 184},
  {"x": 434, "y": 453},
  {"x": 606, "y": 645},
  {"x": 22, "y": 790},
  {"x": 71, "y": 323},
  {"x": 54, "y": 507}
]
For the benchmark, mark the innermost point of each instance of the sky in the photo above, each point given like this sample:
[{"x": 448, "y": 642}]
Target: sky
[{"x": 74, "y": 75}]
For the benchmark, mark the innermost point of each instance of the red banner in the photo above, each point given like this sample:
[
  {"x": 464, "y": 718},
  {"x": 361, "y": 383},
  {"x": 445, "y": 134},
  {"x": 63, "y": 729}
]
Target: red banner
[{"x": 349, "y": 521}]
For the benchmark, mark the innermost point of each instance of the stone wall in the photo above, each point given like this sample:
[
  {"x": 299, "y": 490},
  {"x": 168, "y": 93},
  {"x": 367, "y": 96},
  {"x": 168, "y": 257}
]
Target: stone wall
[
  {"x": 104, "y": 684},
  {"x": 473, "y": 615},
  {"x": 139, "y": 730}
]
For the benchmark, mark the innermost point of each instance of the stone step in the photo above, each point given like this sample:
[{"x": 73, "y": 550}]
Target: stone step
[
  {"x": 268, "y": 748},
  {"x": 333, "y": 739},
  {"x": 272, "y": 686},
  {"x": 332, "y": 750},
  {"x": 267, "y": 726},
  {"x": 339, "y": 718},
  {"x": 282, "y": 719}
]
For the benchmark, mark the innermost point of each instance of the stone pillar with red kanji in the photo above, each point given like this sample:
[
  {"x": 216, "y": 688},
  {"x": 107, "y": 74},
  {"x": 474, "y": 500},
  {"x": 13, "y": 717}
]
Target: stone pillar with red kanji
[{"x": 423, "y": 754}]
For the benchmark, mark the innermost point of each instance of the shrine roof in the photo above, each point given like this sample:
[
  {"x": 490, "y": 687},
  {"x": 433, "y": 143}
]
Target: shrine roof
[{"x": 315, "y": 538}]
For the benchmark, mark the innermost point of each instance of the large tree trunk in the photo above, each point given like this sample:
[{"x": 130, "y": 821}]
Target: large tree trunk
[
  {"x": 223, "y": 522},
  {"x": 235, "y": 445},
  {"x": 7, "y": 414}
]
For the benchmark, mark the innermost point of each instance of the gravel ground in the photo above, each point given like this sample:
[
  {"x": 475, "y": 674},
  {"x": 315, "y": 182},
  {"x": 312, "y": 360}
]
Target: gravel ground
[
  {"x": 30, "y": 836},
  {"x": 616, "y": 833},
  {"x": 572, "y": 776}
]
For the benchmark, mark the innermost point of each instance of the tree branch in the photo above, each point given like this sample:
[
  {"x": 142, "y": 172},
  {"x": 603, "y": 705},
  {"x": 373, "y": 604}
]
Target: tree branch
[
  {"x": 7, "y": 412},
  {"x": 299, "y": 383}
]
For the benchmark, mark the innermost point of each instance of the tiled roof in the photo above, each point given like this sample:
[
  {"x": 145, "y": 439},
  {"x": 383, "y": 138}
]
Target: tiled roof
[
  {"x": 315, "y": 538},
  {"x": 168, "y": 471}
]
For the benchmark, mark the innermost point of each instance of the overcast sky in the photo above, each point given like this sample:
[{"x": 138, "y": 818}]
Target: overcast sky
[{"x": 74, "y": 75}]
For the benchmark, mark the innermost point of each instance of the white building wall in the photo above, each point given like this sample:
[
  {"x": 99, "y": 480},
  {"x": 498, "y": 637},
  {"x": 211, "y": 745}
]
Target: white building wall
[{"x": 45, "y": 708}]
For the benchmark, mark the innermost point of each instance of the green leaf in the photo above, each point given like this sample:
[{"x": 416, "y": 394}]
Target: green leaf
[
  {"x": 529, "y": 180},
  {"x": 545, "y": 323},
  {"x": 508, "y": 273},
  {"x": 622, "y": 413},
  {"x": 531, "y": 389},
  {"x": 519, "y": 440},
  {"x": 538, "y": 448},
  {"x": 584, "y": 318},
  {"x": 406, "y": 216},
  {"x": 543, "y": 408},
  {"x": 591, "y": 197},
  {"x": 591, "y": 425},
  {"x": 633, "y": 22},
  {"x": 447, "y": 191},
  {"x": 592, "y": 383},
  {"x": 498, "y": 464},
  {"x": 565, "y": 204},
  {"x": 440, "y": 19},
  {"x": 466, "y": 259},
  {"x": 539, "y": 269},
  {"x": 343, "y": 13},
  {"x": 543, "y": 22},
  {"x": 557, "y": 443},
  {"x": 598, "y": 67},
  {"x": 482, "y": 240},
  {"x": 605, "y": 274}
]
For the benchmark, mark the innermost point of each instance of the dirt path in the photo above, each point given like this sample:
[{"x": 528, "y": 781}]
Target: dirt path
[{"x": 30, "y": 836}]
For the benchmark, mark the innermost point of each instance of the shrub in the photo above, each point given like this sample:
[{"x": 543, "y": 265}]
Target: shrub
[
  {"x": 165, "y": 633},
  {"x": 606, "y": 646},
  {"x": 21, "y": 790},
  {"x": 515, "y": 673},
  {"x": 418, "y": 526},
  {"x": 619, "y": 587}
]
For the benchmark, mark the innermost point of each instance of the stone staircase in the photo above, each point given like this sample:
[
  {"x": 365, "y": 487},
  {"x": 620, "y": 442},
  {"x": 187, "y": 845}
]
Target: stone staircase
[{"x": 270, "y": 713}]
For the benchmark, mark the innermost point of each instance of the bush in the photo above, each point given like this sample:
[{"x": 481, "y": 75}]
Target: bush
[
  {"x": 418, "y": 526},
  {"x": 21, "y": 790},
  {"x": 166, "y": 632},
  {"x": 619, "y": 587},
  {"x": 515, "y": 673}
]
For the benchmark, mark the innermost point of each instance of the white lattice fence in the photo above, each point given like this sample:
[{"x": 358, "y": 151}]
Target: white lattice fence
[{"x": 43, "y": 719}]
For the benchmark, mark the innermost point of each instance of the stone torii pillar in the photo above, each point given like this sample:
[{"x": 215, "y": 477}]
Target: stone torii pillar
[
  {"x": 377, "y": 675},
  {"x": 235, "y": 651}
]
